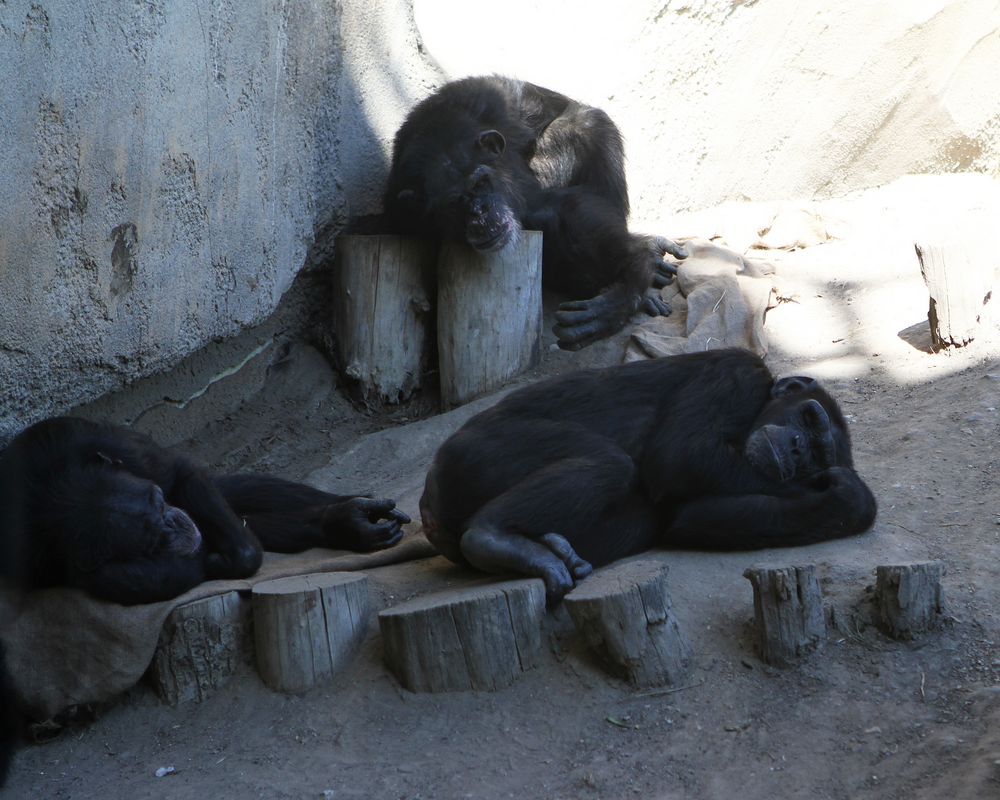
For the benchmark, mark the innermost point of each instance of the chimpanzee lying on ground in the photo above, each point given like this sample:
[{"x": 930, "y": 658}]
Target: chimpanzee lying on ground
[
  {"x": 705, "y": 450},
  {"x": 484, "y": 157},
  {"x": 107, "y": 510}
]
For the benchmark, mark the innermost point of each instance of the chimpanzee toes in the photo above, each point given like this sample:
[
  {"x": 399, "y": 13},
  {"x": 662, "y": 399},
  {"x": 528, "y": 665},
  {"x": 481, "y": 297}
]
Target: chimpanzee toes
[{"x": 575, "y": 565}]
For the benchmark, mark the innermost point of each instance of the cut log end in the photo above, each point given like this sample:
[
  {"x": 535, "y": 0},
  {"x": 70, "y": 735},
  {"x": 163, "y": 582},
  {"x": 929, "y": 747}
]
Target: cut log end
[
  {"x": 908, "y": 598},
  {"x": 489, "y": 317},
  {"x": 624, "y": 613},
  {"x": 788, "y": 612},
  {"x": 479, "y": 638},
  {"x": 201, "y": 646},
  {"x": 307, "y": 627}
]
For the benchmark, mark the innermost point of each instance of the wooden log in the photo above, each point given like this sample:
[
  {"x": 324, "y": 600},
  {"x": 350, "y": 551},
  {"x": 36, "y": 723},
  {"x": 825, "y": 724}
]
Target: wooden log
[
  {"x": 489, "y": 318},
  {"x": 624, "y": 613},
  {"x": 383, "y": 287},
  {"x": 306, "y": 627},
  {"x": 200, "y": 648},
  {"x": 908, "y": 598},
  {"x": 959, "y": 275},
  {"x": 788, "y": 612},
  {"x": 481, "y": 637}
]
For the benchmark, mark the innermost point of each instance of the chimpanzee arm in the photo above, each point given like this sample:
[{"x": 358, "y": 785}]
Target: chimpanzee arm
[
  {"x": 231, "y": 549},
  {"x": 289, "y": 517},
  {"x": 836, "y": 503},
  {"x": 147, "y": 580}
]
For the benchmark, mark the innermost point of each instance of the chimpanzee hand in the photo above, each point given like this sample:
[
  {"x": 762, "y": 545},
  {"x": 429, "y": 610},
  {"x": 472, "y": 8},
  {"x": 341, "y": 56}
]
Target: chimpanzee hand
[
  {"x": 239, "y": 558},
  {"x": 845, "y": 497},
  {"x": 363, "y": 524},
  {"x": 663, "y": 270}
]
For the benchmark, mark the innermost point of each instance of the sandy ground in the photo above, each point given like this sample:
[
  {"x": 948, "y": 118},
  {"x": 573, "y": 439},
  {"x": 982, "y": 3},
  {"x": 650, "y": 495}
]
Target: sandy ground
[{"x": 866, "y": 717}]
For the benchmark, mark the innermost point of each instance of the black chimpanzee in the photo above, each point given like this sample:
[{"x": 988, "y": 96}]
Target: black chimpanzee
[
  {"x": 485, "y": 157},
  {"x": 704, "y": 450},
  {"x": 107, "y": 510}
]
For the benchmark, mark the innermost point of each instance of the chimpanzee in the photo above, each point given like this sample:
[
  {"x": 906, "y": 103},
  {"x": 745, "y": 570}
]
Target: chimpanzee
[
  {"x": 107, "y": 510},
  {"x": 703, "y": 450},
  {"x": 484, "y": 157}
]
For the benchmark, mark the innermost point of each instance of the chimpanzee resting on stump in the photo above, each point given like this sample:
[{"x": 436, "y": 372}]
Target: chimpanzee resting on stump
[
  {"x": 483, "y": 158},
  {"x": 703, "y": 450},
  {"x": 107, "y": 510}
]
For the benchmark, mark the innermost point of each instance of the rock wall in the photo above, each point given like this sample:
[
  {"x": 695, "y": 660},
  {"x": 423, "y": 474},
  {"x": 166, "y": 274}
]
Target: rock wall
[{"x": 168, "y": 168}]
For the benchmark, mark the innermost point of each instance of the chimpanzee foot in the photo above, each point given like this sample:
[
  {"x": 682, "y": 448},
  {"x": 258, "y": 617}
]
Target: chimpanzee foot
[
  {"x": 559, "y": 545},
  {"x": 582, "y": 322},
  {"x": 550, "y": 558}
]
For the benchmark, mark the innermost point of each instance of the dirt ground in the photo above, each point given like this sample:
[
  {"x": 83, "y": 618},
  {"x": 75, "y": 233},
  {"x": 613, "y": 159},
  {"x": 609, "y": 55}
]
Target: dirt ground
[{"x": 866, "y": 717}]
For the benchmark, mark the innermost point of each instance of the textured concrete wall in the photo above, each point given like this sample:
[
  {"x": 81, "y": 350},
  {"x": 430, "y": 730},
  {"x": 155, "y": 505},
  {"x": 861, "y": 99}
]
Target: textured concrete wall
[{"x": 168, "y": 166}]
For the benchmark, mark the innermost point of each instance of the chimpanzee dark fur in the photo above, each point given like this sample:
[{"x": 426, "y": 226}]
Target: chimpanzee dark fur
[
  {"x": 482, "y": 158},
  {"x": 705, "y": 450}
]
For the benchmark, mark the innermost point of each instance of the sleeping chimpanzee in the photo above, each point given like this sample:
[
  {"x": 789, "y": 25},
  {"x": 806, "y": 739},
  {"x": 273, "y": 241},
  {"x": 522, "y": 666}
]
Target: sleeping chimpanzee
[
  {"x": 483, "y": 158},
  {"x": 107, "y": 510},
  {"x": 703, "y": 450}
]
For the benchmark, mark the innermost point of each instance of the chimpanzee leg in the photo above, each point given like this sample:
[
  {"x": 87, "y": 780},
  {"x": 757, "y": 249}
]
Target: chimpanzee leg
[{"x": 547, "y": 523}]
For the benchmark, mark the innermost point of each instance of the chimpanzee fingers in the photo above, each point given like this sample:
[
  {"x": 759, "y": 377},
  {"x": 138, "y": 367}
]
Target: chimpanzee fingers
[
  {"x": 379, "y": 508},
  {"x": 663, "y": 274},
  {"x": 655, "y": 306},
  {"x": 399, "y": 516},
  {"x": 386, "y": 535},
  {"x": 666, "y": 245}
]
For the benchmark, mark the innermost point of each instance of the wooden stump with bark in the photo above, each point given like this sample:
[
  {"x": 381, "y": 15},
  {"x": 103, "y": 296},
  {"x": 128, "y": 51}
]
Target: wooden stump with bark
[
  {"x": 959, "y": 272},
  {"x": 908, "y": 598},
  {"x": 306, "y": 627},
  {"x": 788, "y": 612},
  {"x": 382, "y": 300},
  {"x": 624, "y": 613},
  {"x": 481, "y": 637},
  {"x": 489, "y": 318},
  {"x": 200, "y": 647}
]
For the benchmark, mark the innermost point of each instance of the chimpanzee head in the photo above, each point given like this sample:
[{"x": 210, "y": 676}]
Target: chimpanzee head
[
  {"x": 800, "y": 432},
  {"x": 122, "y": 516},
  {"x": 457, "y": 182}
]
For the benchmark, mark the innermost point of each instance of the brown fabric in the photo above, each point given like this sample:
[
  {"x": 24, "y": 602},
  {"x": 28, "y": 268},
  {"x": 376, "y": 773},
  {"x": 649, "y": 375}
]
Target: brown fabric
[
  {"x": 726, "y": 297},
  {"x": 66, "y": 648}
]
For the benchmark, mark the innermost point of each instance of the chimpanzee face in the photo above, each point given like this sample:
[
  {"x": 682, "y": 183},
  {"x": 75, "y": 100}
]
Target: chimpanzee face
[
  {"x": 132, "y": 511},
  {"x": 465, "y": 193},
  {"x": 799, "y": 433}
]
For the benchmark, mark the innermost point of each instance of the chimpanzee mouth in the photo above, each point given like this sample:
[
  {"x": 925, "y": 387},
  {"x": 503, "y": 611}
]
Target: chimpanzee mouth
[{"x": 497, "y": 239}]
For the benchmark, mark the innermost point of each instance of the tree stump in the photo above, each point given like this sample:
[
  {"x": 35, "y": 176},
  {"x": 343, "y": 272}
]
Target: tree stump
[
  {"x": 908, "y": 598},
  {"x": 788, "y": 612},
  {"x": 489, "y": 316},
  {"x": 201, "y": 646},
  {"x": 624, "y": 613},
  {"x": 383, "y": 287},
  {"x": 480, "y": 638},
  {"x": 959, "y": 275},
  {"x": 307, "y": 626}
]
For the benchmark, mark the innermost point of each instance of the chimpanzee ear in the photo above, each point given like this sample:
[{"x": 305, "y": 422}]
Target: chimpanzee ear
[
  {"x": 792, "y": 385},
  {"x": 492, "y": 142}
]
